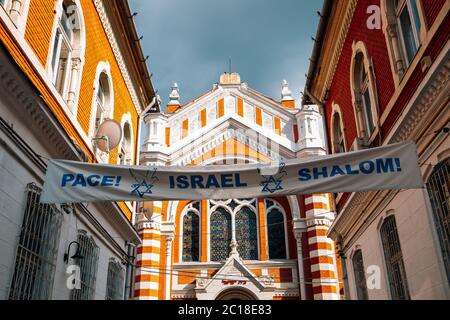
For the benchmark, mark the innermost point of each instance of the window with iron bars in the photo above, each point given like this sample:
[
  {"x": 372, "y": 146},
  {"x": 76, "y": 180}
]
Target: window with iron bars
[
  {"x": 88, "y": 267},
  {"x": 360, "y": 276},
  {"x": 398, "y": 282},
  {"x": 114, "y": 283},
  {"x": 439, "y": 192},
  {"x": 35, "y": 262}
]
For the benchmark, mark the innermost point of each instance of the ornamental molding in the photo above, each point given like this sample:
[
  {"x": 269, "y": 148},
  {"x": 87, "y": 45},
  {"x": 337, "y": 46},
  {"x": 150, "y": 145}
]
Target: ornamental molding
[
  {"x": 148, "y": 226},
  {"x": 118, "y": 55},
  {"x": 340, "y": 45}
]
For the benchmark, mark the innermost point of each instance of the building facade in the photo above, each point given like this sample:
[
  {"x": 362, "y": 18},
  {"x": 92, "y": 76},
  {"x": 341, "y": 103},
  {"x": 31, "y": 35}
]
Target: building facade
[
  {"x": 380, "y": 72},
  {"x": 66, "y": 66},
  {"x": 272, "y": 248}
]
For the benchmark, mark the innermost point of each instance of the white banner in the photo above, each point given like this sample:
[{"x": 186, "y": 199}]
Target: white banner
[{"x": 391, "y": 167}]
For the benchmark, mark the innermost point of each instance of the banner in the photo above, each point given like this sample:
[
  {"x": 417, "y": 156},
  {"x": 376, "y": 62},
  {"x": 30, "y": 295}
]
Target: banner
[{"x": 390, "y": 167}]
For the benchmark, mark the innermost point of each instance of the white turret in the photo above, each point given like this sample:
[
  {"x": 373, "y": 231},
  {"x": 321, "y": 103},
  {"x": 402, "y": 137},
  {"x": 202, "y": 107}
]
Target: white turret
[
  {"x": 174, "y": 98},
  {"x": 311, "y": 132},
  {"x": 286, "y": 93}
]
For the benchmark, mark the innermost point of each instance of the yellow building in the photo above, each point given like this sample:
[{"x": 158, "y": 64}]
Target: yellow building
[
  {"x": 267, "y": 248},
  {"x": 66, "y": 66}
]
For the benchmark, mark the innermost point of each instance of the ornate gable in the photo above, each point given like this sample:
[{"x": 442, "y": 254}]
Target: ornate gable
[{"x": 234, "y": 275}]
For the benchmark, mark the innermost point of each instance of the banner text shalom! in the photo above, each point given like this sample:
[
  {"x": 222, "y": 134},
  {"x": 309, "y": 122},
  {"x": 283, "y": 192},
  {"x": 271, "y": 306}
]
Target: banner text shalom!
[{"x": 234, "y": 180}]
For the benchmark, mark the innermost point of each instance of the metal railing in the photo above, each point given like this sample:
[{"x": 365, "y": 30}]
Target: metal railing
[
  {"x": 439, "y": 192},
  {"x": 36, "y": 252},
  {"x": 88, "y": 267},
  {"x": 394, "y": 260},
  {"x": 360, "y": 276},
  {"x": 114, "y": 283}
]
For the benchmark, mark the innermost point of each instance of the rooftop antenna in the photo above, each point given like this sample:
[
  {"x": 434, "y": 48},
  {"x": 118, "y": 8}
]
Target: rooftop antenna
[{"x": 230, "y": 64}]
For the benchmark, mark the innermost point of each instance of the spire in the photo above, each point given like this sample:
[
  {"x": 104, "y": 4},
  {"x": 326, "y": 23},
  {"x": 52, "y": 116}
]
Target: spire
[
  {"x": 174, "y": 95},
  {"x": 286, "y": 93},
  {"x": 286, "y": 96}
]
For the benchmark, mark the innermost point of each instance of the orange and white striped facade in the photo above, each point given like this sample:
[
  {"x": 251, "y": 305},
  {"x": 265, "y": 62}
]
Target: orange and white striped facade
[{"x": 277, "y": 247}]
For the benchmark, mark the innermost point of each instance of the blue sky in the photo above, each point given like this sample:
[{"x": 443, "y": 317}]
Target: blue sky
[{"x": 190, "y": 41}]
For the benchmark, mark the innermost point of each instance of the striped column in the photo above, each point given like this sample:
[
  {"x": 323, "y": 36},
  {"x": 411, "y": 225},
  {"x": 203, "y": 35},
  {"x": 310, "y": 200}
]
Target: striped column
[
  {"x": 148, "y": 258},
  {"x": 321, "y": 248}
]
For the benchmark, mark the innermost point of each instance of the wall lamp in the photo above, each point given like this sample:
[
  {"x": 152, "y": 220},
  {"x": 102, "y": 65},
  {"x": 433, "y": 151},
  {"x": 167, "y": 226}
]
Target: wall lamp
[{"x": 77, "y": 254}]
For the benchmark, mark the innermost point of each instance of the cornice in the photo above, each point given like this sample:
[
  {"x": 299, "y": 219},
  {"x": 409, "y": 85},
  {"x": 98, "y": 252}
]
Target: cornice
[
  {"x": 336, "y": 50},
  {"x": 99, "y": 6}
]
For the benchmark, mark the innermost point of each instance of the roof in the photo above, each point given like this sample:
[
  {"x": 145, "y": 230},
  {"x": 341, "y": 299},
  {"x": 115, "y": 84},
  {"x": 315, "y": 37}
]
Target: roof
[{"x": 132, "y": 49}]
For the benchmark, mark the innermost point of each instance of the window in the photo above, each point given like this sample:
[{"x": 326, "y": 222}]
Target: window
[
  {"x": 126, "y": 146},
  {"x": 276, "y": 233},
  {"x": 191, "y": 234},
  {"x": 35, "y": 264},
  {"x": 404, "y": 28},
  {"x": 439, "y": 191},
  {"x": 360, "y": 276},
  {"x": 398, "y": 283},
  {"x": 338, "y": 134},
  {"x": 67, "y": 52},
  {"x": 220, "y": 229},
  {"x": 247, "y": 234},
  {"x": 88, "y": 267},
  {"x": 408, "y": 20},
  {"x": 363, "y": 92},
  {"x": 103, "y": 108},
  {"x": 114, "y": 282},
  {"x": 364, "y": 87}
]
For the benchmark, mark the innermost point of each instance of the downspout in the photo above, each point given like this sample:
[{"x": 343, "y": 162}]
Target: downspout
[
  {"x": 138, "y": 148},
  {"x": 129, "y": 270},
  {"x": 343, "y": 267}
]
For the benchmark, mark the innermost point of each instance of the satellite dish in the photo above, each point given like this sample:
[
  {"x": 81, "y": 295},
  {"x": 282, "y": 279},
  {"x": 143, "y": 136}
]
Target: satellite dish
[
  {"x": 109, "y": 135},
  {"x": 147, "y": 209}
]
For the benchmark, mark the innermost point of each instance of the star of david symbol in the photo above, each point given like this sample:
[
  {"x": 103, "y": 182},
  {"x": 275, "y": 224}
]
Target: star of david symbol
[
  {"x": 271, "y": 185},
  {"x": 141, "y": 189}
]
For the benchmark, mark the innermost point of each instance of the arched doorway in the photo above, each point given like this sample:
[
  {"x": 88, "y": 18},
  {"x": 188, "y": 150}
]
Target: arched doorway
[{"x": 236, "y": 294}]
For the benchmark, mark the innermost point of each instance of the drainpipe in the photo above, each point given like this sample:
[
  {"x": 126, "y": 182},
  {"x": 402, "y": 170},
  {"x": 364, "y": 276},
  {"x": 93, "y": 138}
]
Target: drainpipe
[
  {"x": 129, "y": 270},
  {"x": 343, "y": 267},
  {"x": 138, "y": 147}
]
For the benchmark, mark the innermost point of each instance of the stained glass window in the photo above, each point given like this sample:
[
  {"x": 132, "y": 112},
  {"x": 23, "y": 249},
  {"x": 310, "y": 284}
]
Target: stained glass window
[
  {"x": 246, "y": 234},
  {"x": 220, "y": 229},
  {"x": 191, "y": 237},
  {"x": 276, "y": 234}
]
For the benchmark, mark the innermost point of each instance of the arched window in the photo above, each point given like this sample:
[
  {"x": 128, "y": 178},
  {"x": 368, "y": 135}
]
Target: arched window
[
  {"x": 404, "y": 28},
  {"x": 364, "y": 93},
  {"x": 337, "y": 133},
  {"x": 276, "y": 234},
  {"x": 360, "y": 276},
  {"x": 126, "y": 146},
  {"x": 220, "y": 234},
  {"x": 191, "y": 236},
  {"x": 247, "y": 234},
  {"x": 102, "y": 104},
  {"x": 439, "y": 192},
  {"x": 398, "y": 282},
  {"x": 67, "y": 52}
]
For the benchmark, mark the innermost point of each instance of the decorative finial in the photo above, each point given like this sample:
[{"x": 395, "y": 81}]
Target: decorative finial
[
  {"x": 174, "y": 98},
  {"x": 286, "y": 93}
]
